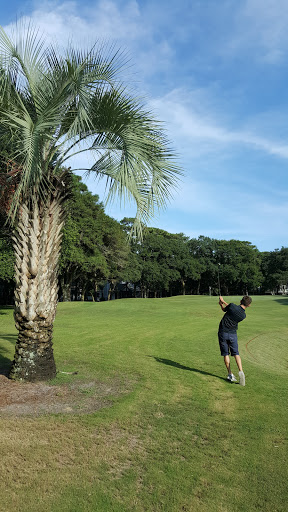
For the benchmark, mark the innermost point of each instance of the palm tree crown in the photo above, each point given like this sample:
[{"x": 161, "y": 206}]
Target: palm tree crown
[{"x": 54, "y": 106}]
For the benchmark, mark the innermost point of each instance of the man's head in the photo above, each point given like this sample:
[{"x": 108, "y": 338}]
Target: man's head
[{"x": 246, "y": 301}]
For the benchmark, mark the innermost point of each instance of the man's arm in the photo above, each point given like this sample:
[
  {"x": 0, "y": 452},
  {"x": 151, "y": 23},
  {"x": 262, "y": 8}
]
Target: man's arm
[{"x": 222, "y": 303}]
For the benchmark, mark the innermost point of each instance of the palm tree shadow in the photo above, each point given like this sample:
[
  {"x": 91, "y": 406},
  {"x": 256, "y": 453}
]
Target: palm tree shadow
[
  {"x": 182, "y": 367},
  {"x": 5, "y": 365},
  {"x": 12, "y": 338},
  {"x": 282, "y": 302}
]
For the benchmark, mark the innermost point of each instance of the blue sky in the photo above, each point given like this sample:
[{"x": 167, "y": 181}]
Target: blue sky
[{"x": 215, "y": 72}]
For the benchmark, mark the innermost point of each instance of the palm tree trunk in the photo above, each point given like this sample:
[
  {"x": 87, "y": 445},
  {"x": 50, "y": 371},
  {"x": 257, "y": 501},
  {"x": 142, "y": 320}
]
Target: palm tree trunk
[{"x": 37, "y": 242}]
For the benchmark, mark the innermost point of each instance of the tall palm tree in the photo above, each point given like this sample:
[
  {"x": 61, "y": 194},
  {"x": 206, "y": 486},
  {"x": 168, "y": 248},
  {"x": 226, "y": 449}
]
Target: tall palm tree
[{"x": 54, "y": 105}]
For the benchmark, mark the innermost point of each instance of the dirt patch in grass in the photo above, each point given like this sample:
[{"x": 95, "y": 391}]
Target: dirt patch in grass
[{"x": 25, "y": 399}]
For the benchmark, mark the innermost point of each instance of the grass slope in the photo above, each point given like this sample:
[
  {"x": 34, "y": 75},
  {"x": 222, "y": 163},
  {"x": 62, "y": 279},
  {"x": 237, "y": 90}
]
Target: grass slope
[{"x": 181, "y": 438}]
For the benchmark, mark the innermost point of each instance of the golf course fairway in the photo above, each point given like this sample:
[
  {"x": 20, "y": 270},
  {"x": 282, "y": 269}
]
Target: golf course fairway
[{"x": 141, "y": 417}]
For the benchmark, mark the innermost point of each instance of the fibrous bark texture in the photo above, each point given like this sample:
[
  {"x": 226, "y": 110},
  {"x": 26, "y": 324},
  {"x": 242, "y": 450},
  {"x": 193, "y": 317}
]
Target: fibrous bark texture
[{"x": 37, "y": 242}]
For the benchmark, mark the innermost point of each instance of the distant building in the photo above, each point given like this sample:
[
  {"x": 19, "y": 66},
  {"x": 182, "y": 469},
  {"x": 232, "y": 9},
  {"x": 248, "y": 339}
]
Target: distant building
[{"x": 282, "y": 289}]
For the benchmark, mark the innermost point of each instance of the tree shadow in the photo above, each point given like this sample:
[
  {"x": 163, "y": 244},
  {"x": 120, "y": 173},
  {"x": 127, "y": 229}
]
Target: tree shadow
[
  {"x": 12, "y": 338},
  {"x": 168, "y": 362},
  {"x": 3, "y": 308},
  {"x": 283, "y": 302},
  {"x": 5, "y": 365}
]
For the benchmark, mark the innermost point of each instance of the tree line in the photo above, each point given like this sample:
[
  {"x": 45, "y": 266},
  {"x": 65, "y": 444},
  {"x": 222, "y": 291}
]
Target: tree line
[{"x": 97, "y": 254}]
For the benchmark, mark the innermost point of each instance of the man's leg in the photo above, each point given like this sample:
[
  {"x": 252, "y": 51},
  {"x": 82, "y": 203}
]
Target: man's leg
[
  {"x": 235, "y": 353},
  {"x": 241, "y": 373},
  {"x": 227, "y": 364},
  {"x": 230, "y": 375},
  {"x": 224, "y": 348},
  {"x": 238, "y": 362}
]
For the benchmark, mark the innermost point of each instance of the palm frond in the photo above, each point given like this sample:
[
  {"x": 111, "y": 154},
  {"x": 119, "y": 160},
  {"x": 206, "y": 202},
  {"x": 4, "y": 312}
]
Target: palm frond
[{"x": 53, "y": 105}]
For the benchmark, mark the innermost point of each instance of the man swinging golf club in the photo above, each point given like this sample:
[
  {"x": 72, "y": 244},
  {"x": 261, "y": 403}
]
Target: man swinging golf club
[{"x": 227, "y": 334}]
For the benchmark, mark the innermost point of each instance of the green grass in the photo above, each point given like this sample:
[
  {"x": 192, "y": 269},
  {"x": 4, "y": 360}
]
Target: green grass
[{"x": 180, "y": 438}]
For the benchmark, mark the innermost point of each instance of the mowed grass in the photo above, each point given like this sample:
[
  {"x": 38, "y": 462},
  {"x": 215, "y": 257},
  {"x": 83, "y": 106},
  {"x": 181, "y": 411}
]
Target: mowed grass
[{"x": 181, "y": 438}]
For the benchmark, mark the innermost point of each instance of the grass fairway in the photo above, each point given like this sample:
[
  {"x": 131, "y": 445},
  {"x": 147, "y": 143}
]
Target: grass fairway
[{"x": 177, "y": 436}]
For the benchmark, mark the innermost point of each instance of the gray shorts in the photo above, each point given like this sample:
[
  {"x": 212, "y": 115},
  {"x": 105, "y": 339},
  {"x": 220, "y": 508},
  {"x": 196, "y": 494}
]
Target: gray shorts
[{"x": 228, "y": 343}]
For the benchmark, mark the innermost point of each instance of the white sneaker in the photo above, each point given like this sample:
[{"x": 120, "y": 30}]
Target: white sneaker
[
  {"x": 241, "y": 378},
  {"x": 231, "y": 377}
]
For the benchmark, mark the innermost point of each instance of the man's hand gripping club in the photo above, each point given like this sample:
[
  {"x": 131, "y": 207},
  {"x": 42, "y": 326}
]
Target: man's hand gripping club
[{"x": 222, "y": 303}]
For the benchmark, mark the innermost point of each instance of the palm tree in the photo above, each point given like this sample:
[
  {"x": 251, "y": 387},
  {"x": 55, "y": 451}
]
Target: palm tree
[{"x": 54, "y": 105}]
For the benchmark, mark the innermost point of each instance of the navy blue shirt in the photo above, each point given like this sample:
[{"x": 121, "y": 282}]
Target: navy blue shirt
[{"x": 233, "y": 315}]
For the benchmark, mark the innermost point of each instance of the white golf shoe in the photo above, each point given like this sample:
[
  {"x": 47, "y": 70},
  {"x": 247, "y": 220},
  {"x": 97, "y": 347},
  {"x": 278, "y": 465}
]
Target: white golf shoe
[
  {"x": 231, "y": 377},
  {"x": 241, "y": 378}
]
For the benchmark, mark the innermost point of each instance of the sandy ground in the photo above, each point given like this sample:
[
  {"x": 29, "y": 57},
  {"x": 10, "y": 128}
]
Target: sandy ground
[{"x": 34, "y": 399}]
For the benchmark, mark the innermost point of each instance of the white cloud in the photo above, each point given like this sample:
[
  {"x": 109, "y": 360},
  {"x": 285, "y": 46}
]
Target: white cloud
[
  {"x": 102, "y": 20},
  {"x": 115, "y": 22},
  {"x": 189, "y": 115}
]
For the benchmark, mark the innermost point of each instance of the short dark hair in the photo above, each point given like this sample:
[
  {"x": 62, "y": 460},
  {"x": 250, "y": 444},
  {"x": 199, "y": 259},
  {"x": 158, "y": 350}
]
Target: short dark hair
[{"x": 246, "y": 301}]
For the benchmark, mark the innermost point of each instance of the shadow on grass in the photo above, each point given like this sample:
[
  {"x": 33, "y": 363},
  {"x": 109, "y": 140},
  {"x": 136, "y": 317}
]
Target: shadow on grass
[
  {"x": 5, "y": 365},
  {"x": 3, "y": 308},
  {"x": 12, "y": 338},
  {"x": 283, "y": 302},
  {"x": 168, "y": 362}
]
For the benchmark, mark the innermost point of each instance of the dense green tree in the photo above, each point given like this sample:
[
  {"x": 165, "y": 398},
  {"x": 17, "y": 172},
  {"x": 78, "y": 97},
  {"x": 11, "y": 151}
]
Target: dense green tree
[
  {"x": 82, "y": 256},
  {"x": 131, "y": 274},
  {"x": 182, "y": 260},
  {"x": 233, "y": 264},
  {"x": 116, "y": 250},
  {"x": 53, "y": 106},
  {"x": 274, "y": 267},
  {"x": 154, "y": 252},
  {"x": 165, "y": 261},
  {"x": 7, "y": 260},
  {"x": 239, "y": 266},
  {"x": 203, "y": 249}
]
